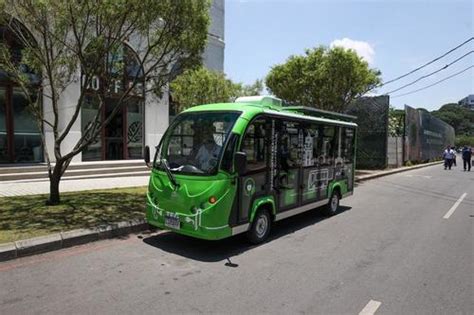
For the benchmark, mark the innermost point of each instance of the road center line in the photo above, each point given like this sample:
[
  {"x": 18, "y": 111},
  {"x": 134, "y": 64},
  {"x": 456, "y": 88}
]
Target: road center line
[
  {"x": 370, "y": 308},
  {"x": 453, "y": 208}
]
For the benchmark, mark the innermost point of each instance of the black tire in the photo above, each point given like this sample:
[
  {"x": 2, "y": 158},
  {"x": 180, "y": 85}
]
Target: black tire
[
  {"x": 260, "y": 228},
  {"x": 152, "y": 228},
  {"x": 332, "y": 207}
]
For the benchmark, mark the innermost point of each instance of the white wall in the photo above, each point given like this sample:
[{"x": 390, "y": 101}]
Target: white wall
[
  {"x": 395, "y": 151},
  {"x": 156, "y": 119},
  {"x": 66, "y": 105}
]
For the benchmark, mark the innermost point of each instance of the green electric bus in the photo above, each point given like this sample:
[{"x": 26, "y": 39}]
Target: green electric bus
[{"x": 230, "y": 168}]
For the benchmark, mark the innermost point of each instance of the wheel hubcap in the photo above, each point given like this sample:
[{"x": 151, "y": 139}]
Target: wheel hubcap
[
  {"x": 334, "y": 203},
  {"x": 261, "y": 226}
]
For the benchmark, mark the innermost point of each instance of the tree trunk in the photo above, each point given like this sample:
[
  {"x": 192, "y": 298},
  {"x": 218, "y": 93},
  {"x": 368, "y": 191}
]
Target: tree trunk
[{"x": 54, "y": 180}]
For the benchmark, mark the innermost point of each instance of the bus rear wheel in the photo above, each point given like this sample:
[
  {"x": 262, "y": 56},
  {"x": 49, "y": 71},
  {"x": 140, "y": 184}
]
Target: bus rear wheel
[
  {"x": 332, "y": 207},
  {"x": 260, "y": 228}
]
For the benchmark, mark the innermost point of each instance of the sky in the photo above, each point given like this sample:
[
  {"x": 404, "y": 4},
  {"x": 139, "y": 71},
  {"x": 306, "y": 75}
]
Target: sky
[{"x": 392, "y": 36}]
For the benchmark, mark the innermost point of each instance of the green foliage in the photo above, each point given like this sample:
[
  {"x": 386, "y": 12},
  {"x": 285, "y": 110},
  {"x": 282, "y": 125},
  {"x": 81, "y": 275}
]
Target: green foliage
[
  {"x": 250, "y": 90},
  {"x": 461, "y": 118},
  {"x": 203, "y": 86},
  {"x": 463, "y": 140},
  {"x": 396, "y": 122},
  {"x": 325, "y": 78},
  {"x": 75, "y": 41}
]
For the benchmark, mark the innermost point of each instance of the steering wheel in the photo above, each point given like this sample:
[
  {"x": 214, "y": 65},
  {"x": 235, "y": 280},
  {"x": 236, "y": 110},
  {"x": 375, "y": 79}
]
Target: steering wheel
[{"x": 189, "y": 168}]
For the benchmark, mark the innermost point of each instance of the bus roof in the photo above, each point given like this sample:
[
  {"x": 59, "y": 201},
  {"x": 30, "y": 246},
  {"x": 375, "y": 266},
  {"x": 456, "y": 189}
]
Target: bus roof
[{"x": 250, "y": 107}]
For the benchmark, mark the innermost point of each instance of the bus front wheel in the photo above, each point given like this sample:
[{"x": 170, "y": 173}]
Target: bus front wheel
[
  {"x": 260, "y": 228},
  {"x": 332, "y": 207}
]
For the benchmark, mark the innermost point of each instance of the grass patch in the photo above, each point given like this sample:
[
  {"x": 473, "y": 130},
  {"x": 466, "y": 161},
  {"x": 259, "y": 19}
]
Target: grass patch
[{"x": 28, "y": 216}]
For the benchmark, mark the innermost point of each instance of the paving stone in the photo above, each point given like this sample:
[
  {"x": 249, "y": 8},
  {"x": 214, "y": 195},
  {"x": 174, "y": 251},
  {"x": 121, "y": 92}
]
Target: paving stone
[{"x": 42, "y": 187}]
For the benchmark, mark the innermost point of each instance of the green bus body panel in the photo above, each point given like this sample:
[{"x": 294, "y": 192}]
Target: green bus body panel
[
  {"x": 341, "y": 184},
  {"x": 198, "y": 217},
  {"x": 249, "y": 111},
  {"x": 260, "y": 202},
  {"x": 190, "y": 201}
]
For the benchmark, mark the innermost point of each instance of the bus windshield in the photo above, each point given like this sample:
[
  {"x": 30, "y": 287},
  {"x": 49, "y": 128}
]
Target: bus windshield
[{"x": 194, "y": 142}]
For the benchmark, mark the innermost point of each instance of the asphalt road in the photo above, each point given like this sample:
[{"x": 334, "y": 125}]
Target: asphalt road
[{"x": 392, "y": 251}]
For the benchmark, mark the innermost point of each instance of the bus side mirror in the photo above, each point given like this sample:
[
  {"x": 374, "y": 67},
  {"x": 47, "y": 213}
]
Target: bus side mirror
[
  {"x": 240, "y": 162},
  {"x": 147, "y": 156}
]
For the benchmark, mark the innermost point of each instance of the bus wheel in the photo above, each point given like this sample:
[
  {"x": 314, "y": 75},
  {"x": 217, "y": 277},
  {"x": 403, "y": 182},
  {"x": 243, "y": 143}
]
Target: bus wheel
[
  {"x": 332, "y": 207},
  {"x": 260, "y": 228}
]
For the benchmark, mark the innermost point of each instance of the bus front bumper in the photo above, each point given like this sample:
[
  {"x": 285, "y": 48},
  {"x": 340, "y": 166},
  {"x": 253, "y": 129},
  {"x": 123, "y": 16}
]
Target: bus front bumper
[{"x": 189, "y": 225}]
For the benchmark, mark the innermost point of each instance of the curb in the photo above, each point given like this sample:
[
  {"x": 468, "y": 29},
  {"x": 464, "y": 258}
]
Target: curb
[
  {"x": 363, "y": 178},
  {"x": 42, "y": 244}
]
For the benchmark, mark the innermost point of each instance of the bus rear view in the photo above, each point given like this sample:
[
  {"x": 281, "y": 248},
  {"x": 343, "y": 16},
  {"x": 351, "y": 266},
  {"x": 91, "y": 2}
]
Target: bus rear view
[{"x": 225, "y": 169}]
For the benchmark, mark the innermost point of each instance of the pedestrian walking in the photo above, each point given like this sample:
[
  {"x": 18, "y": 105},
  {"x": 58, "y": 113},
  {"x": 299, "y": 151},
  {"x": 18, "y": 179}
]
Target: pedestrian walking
[
  {"x": 454, "y": 155},
  {"x": 466, "y": 158},
  {"x": 448, "y": 156}
]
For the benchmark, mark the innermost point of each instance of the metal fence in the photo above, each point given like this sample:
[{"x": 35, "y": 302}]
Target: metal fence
[
  {"x": 372, "y": 133},
  {"x": 425, "y": 135}
]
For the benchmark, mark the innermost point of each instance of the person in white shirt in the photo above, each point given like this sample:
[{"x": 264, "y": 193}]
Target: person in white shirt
[
  {"x": 208, "y": 152},
  {"x": 448, "y": 156}
]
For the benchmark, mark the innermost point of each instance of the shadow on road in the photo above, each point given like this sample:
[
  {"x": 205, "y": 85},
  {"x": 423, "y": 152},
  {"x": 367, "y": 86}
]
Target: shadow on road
[{"x": 213, "y": 251}]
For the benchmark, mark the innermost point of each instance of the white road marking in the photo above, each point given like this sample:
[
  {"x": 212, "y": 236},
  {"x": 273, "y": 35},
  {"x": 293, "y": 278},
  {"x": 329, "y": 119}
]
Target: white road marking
[
  {"x": 370, "y": 308},
  {"x": 453, "y": 208}
]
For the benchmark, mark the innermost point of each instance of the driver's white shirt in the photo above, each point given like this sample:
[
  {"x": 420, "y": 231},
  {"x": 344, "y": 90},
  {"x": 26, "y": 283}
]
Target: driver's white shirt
[{"x": 204, "y": 156}]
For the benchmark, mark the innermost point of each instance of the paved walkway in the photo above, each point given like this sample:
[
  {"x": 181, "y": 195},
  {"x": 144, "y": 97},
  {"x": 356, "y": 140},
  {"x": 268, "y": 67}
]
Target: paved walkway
[{"x": 20, "y": 188}]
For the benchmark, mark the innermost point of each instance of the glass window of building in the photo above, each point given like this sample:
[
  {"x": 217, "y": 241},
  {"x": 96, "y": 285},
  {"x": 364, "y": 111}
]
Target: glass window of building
[
  {"x": 123, "y": 137},
  {"x": 20, "y": 138}
]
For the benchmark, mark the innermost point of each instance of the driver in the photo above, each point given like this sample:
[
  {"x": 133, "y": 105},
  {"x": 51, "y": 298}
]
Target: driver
[{"x": 208, "y": 152}]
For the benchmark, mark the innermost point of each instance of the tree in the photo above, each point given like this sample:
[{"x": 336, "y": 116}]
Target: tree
[
  {"x": 76, "y": 42},
  {"x": 396, "y": 122},
  {"x": 201, "y": 86},
  {"x": 250, "y": 90},
  {"x": 459, "y": 117},
  {"x": 204, "y": 86},
  {"x": 463, "y": 140},
  {"x": 326, "y": 78}
]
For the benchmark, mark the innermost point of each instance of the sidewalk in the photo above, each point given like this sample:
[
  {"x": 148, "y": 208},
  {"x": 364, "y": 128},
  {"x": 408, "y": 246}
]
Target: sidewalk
[
  {"x": 363, "y": 175},
  {"x": 33, "y": 187}
]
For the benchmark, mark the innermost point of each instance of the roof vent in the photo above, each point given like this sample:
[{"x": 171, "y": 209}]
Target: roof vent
[{"x": 267, "y": 101}]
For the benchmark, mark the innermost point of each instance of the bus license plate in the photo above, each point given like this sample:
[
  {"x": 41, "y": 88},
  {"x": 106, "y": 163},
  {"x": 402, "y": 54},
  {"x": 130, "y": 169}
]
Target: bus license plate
[{"x": 172, "y": 221}]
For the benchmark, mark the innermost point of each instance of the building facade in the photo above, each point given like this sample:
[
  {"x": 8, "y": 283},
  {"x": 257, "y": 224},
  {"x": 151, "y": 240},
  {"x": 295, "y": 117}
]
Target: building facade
[
  {"x": 141, "y": 121},
  {"x": 468, "y": 102}
]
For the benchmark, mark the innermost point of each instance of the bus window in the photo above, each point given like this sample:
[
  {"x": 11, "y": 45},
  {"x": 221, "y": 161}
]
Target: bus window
[
  {"x": 347, "y": 144},
  {"x": 194, "y": 142},
  {"x": 254, "y": 146},
  {"x": 310, "y": 146},
  {"x": 328, "y": 148},
  {"x": 290, "y": 151},
  {"x": 228, "y": 158}
]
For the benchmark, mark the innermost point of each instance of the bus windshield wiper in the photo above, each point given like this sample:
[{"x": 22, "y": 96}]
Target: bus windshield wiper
[{"x": 168, "y": 172}]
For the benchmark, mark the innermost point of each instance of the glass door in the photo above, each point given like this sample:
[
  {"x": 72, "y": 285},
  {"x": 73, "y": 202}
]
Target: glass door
[
  {"x": 134, "y": 132},
  {"x": 114, "y": 133},
  {"x": 289, "y": 151}
]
